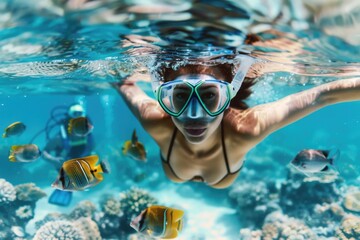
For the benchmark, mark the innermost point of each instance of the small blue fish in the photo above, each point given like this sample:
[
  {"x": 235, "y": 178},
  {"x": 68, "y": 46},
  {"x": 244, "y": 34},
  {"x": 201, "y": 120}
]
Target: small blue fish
[{"x": 315, "y": 161}]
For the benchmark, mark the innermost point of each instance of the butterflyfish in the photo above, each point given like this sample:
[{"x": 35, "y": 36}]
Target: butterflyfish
[
  {"x": 159, "y": 221},
  {"x": 24, "y": 153},
  {"x": 80, "y": 126},
  {"x": 315, "y": 161},
  {"x": 14, "y": 129},
  {"x": 80, "y": 173},
  {"x": 134, "y": 149}
]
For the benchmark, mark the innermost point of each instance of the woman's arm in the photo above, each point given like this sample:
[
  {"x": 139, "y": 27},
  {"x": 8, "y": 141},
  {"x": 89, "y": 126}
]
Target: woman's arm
[
  {"x": 145, "y": 109},
  {"x": 264, "y": 119}
]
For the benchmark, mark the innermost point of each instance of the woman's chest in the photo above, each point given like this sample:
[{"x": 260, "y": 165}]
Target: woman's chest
[{"x": 209, "y": 165}]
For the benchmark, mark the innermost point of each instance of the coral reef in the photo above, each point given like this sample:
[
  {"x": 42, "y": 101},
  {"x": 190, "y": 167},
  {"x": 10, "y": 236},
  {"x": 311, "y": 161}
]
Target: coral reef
[
  {"x": 281, "y": 227},
  {"x": 85, "y": 221},
  {"x": 315, "y": 202},
  {"x": 248, "y": 234},
  {"x": 254, "y": 200},
  {"x": 352, "y": 199},
  {"x": 7, "y": 192},
  {"x": 17, "y": 205},
  {"x": 298, "y": 198},
  {"x": 50, "y": 217},
  {"x": 59, "y": 230},
  {"x": 111, "y": 206},
  {"x": 83, "y": 209},
  {"x": 81, "y": 229},
  {"x": 25, "y": 212},
  {"x": 134, "y": 201},
  {"x": 349, "y": 228},
  {"x": 116, "y": 214},
  {"x": 29, "y": 192}
]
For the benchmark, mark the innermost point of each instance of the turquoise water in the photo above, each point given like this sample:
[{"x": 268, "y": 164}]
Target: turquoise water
[{"x": 55, "y": 53}]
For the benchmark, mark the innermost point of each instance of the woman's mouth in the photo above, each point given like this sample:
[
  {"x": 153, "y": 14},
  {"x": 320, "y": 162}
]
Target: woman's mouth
[{"x": 196, "y": 132}]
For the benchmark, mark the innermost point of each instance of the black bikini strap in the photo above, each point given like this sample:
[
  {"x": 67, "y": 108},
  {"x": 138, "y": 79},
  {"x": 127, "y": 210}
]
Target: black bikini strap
[
  {"x": 224, "y": 148},
  {"x": 171, "y": 145}
]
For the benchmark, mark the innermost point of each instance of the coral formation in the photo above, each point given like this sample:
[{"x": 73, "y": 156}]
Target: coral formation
[
  {"x": 298, "y": 198},
  {"x": 83, "y": 209},
  {"x": 16, "y": 211},
  {"x": 116, "y": 214},
  {"x": 248, "y": 234},
  {"x": 29, "y": 192},
  {"x": 88, "y": 228},
  {"x": 134, "y": 201},
  {"x": 59, "y": 230},
  {"x": 81, "y": 229},
  {"x": 7, "y": 192},
  {"x": 24, "y": 212},
  {"x": 281, "y": 227},
  {"x": 50, "y": 217},
  {"x": 111, "y": 206},
  {"x": 352, "y": 199},
  {"x": 314, "y": 202},
  {"x": 349, "y": 228},
  {"x": 254, "y": 200}
]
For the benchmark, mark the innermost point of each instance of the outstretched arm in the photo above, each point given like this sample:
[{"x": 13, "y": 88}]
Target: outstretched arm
[
  {"x": 145, "y": 109},
  {"x": 267, "y": 118}
]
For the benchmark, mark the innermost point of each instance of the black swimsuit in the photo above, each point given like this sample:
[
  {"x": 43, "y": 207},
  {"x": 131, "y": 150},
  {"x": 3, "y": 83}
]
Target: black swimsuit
[{"x": 199, "y": 178}]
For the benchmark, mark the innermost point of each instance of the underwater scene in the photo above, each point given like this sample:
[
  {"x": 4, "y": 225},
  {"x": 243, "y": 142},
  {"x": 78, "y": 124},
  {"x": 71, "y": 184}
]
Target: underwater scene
[{"x": 180, "y": 119}]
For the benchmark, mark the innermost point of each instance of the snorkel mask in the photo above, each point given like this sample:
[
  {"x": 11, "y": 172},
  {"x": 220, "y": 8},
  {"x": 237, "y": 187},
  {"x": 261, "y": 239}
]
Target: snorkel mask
[{"x": 213, "y": 95}]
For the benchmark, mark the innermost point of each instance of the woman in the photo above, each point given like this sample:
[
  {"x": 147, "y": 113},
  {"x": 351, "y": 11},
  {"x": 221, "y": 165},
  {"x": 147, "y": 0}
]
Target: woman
[{"x": 205, "y": 141}]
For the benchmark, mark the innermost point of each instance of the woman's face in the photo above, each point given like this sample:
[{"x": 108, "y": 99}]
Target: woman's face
[{"x": 195, "y": 124}]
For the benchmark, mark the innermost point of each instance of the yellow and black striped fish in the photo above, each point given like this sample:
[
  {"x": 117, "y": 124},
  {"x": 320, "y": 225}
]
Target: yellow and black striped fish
[
  {"x": 80, "y": 173},
  {"x": 80, "y": 126},
  {"x": 159, "y": 221}
]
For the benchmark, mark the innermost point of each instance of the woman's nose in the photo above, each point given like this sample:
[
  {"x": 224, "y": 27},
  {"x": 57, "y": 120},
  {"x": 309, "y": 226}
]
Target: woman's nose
[{"x": 194, "y": 110}]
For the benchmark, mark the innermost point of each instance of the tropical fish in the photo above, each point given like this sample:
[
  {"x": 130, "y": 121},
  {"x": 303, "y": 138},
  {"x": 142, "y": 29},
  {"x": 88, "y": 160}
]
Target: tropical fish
[
  {"x": 14, "y": 129},
  {"x": 80, "y": 173},
  {"x": 80, "y": 126},
  {"x": 159, "y": 221},
  {"x": 134, "y": 149},
  {"x": 24, "y": 153},
  {"x": 315, "y": 161}
]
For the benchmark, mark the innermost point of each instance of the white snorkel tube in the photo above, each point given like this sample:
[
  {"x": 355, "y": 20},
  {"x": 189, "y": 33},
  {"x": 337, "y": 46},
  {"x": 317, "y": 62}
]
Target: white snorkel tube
[{"x": 245, "y": 63}]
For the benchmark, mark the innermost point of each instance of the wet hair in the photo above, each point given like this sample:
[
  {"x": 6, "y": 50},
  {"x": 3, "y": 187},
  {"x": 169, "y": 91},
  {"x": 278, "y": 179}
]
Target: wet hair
[{"x": 223, "y": 71}]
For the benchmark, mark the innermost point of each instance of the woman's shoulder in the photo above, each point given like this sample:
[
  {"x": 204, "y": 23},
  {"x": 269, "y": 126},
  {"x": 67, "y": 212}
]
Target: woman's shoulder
[{"x": 241, "y": 123}]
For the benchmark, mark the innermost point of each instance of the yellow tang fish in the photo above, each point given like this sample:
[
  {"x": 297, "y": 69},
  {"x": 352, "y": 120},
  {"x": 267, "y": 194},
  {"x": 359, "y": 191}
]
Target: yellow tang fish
[
  {"x": 159, "y": 221},
  {"x": 24, "y": 153},
  {"x": 80, "y": 173},
  {"x": 14, "y": 129},
  {"x": 134, "y": 149},
  {"x": 80, "y": 126}
]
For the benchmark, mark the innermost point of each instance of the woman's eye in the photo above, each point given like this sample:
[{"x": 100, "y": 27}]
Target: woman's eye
[
  {"x": 208, "y": 95},
  {"x": 181, "y": 96}
]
